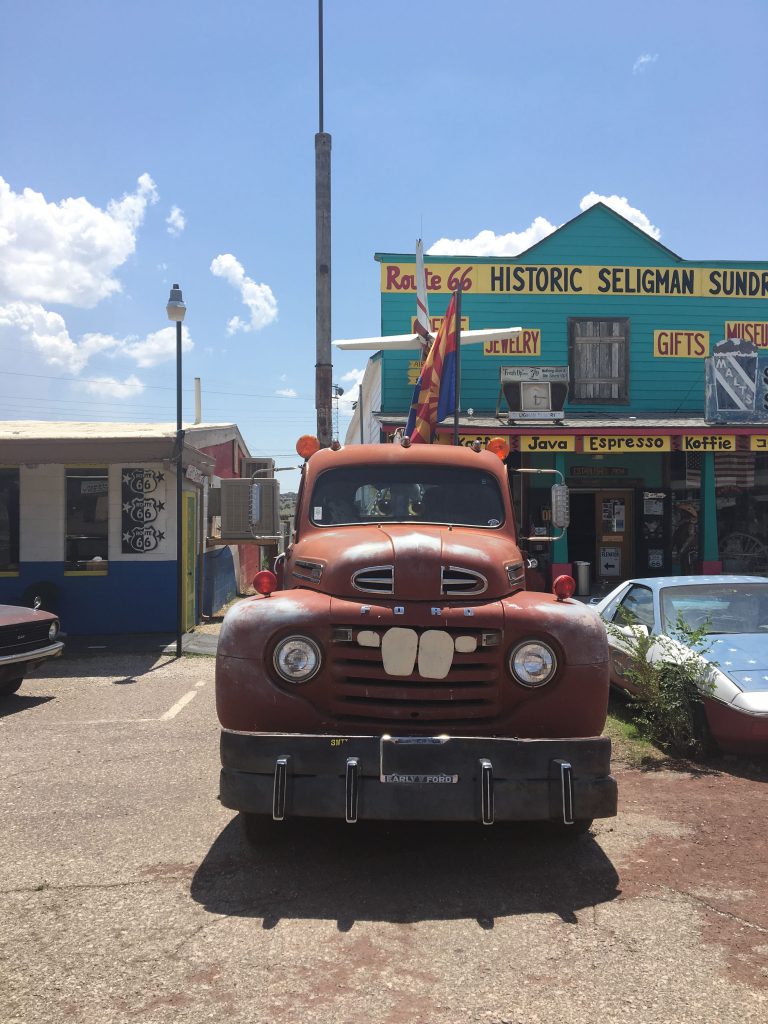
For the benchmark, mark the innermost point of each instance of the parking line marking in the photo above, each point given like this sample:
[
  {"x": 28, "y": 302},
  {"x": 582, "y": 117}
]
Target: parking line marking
[
  {"x": 178, "y": 706},
  {"x": 200, "y": 683}
]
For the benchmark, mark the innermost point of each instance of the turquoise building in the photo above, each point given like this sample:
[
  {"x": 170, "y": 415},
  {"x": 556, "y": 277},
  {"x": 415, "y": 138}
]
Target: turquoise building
[{"x": 657, "y": 486}]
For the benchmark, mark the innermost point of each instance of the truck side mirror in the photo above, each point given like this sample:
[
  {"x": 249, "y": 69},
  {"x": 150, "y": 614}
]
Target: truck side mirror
[{"x": 561, "y": 507}]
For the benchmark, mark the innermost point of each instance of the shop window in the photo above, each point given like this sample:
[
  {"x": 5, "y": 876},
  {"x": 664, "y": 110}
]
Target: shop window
[
  {"x": 9, "y": 520},
  {"x": 741, "y": 489},
  {"x": 599, "y": 361},
  {"x": 87, "y": 520}
]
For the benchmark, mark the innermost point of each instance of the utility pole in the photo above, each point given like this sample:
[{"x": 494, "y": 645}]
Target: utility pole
[{"x": 323, "y": 363}]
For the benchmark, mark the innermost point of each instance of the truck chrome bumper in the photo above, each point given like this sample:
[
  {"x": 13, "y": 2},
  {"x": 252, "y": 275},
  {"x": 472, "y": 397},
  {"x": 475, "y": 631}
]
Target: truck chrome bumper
[{"x": 457, "y": 778}]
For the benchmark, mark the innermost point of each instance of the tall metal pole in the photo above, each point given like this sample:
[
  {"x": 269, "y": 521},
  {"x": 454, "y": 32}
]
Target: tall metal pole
[
  {"x": 323, "y": 363},
  {"x": 179, "y": 535},
  {"x": 457, "y": 381}
]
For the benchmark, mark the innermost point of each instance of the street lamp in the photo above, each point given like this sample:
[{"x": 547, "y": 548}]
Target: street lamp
[{"x": 176, "y": 310}]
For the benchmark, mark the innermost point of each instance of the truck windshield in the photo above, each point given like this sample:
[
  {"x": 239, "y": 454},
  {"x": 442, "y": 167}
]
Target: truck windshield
[{"x": 399, "y": 494}]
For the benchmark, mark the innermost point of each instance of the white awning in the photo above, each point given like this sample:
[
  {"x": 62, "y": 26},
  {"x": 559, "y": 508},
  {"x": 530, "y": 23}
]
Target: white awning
[{"x": 406, "y": 341}]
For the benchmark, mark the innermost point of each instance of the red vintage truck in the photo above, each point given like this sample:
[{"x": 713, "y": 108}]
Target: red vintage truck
[{"x": 396, "y": 667}]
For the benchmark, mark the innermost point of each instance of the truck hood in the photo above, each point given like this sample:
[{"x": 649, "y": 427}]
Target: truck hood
[{"x": 402, "y": 564}]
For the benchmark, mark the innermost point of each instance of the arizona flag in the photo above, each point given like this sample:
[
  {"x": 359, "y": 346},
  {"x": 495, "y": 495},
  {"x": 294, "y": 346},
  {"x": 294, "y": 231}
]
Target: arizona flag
[{"x": 435, "y": 393}]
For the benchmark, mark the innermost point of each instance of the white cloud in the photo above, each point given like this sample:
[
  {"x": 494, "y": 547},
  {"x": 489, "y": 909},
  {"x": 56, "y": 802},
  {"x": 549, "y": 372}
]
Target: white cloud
[
  {"x": 488, "y": 243},
  {"x": 158, "y": 347},
  {"x": 643, "y": 61},
  {"x": 353, "y": 379},
  {"x": 47, "y": 332},
  {"x": 67, "y": 252},
  {"x": 621, "y": 205},
  {"x": 286, "y": 393},
  {"x": 176, "y": 221},
  {"x": 257, "y": 297},
  {"x": 113, "y": 388}
]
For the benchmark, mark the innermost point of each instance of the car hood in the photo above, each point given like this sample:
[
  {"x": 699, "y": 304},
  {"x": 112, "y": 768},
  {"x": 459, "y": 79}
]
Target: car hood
[{"x": 742, "y": 656}]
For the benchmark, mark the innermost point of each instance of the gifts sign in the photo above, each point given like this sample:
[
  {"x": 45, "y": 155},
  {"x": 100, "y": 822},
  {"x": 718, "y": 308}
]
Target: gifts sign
[{"x": 143, "y": 515}]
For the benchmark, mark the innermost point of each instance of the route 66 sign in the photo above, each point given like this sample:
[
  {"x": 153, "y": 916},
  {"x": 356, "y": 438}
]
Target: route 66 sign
[
  {"x": 143, "y": 510},
  {"x": 142, "y": 539}
]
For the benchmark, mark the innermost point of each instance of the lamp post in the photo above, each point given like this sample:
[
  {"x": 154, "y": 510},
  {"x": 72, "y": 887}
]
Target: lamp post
[{"x": 176, "y": 310}]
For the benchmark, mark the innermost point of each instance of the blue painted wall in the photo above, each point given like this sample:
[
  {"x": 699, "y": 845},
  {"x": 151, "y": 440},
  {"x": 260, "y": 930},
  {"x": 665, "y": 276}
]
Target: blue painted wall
[{"x": 134, "y": 597}]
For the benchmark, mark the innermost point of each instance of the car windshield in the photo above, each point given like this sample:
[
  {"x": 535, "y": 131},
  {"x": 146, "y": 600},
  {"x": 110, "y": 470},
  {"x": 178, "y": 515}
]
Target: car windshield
[
  {"x": 717, "y": 607},
  {"x": 400, "y": 494}
]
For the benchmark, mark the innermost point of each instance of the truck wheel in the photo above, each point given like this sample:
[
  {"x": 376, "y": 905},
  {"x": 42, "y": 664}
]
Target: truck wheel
[{"x": 10, "y": 686}]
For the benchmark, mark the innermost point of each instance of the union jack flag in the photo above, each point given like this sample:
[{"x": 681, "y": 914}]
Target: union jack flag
[{"x": 435, "y": 393}]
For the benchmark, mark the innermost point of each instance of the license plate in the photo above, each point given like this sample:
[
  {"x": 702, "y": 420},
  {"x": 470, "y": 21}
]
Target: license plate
[{"x": 415, "y": 760}]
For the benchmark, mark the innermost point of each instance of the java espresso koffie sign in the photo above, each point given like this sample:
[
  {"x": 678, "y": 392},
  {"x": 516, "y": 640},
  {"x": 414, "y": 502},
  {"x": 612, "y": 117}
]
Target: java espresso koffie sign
[{"x": 143, "y": 518}]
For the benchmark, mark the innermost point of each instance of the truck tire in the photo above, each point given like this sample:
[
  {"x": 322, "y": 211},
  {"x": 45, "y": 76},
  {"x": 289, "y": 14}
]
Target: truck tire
[{"x": 10, "y": 686}]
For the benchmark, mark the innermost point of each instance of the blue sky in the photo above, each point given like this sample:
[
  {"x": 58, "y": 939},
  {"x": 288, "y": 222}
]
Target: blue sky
[{"x": 448, "y": 119}]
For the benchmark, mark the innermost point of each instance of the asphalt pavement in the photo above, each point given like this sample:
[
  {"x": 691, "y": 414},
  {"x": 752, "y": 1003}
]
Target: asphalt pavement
[{"x": 127, "y": 893}]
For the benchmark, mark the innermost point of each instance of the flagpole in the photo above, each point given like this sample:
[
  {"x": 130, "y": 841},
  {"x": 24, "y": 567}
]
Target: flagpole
[{"x": 457, "y": 381}]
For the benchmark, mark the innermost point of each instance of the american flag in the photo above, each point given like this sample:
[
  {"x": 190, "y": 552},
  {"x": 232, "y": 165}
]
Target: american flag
[
  {"x": 435, "y": 393},
  {"x": 692, "y": 469},
  {"x": 734, "y": 469}
]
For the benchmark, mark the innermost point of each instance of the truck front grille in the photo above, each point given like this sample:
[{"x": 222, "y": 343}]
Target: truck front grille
[
  {"x": 457, "y": 582},
  {"x": 362, "y": 691},
  {"x": 377, "y": 579}
]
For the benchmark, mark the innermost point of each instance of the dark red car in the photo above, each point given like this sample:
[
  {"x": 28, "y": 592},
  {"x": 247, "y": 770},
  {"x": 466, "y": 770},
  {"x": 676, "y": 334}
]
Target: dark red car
[{"x": 28, "y": 636}]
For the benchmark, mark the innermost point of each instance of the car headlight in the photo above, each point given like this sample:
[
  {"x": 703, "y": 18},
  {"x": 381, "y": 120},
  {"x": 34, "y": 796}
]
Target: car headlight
[
  {"x": 297, "y": 659},
  {"x": 54, "y": 629},
  {"x": 532, "y": 663}
]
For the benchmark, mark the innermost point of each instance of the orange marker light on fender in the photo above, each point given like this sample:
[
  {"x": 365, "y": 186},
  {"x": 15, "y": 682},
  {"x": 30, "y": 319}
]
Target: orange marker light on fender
[
  {"x": 564, "y": 587},
  {"x": 265, "y": 582},
  {"x": 307, "y": 445},
  {"x": 499, "y": 446}
]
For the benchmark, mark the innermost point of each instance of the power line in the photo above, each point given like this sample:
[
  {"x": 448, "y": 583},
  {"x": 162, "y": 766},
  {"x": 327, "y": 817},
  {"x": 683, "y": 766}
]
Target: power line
[{"x": 158, "y": 387}]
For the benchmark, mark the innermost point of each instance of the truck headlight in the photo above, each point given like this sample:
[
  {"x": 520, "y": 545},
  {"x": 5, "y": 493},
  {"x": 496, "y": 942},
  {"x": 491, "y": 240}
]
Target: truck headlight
[
  {"x": 532, "y": 663},
  {"x": 297, "y": 659}
]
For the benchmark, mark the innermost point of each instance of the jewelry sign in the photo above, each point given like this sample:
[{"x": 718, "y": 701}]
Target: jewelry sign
[{"x": 143, "y": 517}]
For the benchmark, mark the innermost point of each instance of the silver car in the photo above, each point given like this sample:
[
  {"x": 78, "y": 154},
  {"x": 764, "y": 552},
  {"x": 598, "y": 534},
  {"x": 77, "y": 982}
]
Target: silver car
[{"x": 734, "y": 611}]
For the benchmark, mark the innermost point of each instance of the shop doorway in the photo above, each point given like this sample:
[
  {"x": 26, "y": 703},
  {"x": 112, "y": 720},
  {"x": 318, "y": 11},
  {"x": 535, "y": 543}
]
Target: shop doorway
[
  {"x": 601, "y": 533},
  {"x": 614, "y": 518}
]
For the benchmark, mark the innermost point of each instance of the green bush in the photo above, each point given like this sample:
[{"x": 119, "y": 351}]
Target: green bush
[{"x": 667, "y": 678}]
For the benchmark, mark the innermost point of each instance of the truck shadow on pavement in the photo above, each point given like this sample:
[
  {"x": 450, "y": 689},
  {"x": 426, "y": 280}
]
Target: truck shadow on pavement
[{"x": 403, "y": 873}]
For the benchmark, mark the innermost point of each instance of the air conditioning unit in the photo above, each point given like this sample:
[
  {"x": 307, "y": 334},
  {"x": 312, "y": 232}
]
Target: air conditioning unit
[
  {"x": 250, "y": 510},
  {"x": 263, "y": 468}
]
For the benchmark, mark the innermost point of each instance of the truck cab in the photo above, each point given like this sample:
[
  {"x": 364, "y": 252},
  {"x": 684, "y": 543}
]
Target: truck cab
[{"x": 401, "y": 670}]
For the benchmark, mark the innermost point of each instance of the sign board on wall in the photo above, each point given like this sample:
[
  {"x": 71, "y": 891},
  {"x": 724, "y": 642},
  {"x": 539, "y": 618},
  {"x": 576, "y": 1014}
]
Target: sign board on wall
[
  {"x": 607, "y": 444},
  {"x": 748, "y": 330},
  {"x": 534, "y": 392},
  {"x": 681, "y": 344},
  {"x": 143, "y": 519},
  {"x": 546, "y": 279},
  {"x": 736, "y": 384},
  {"x": 525, "y": 343}
]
